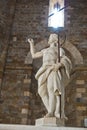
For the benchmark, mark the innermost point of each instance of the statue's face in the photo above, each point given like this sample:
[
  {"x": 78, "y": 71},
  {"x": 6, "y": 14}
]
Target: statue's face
[
  {"x": 53, "y": 42},
  {"x": 53, "y": 39}
]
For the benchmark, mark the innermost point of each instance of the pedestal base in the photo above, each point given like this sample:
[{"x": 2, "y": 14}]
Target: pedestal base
[{"x": 51, "y": 121}]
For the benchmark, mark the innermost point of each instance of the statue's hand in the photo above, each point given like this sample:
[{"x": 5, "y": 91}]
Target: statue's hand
[
  {"x": 31, "y": 41},
  {"x": 57, "y": 66}
]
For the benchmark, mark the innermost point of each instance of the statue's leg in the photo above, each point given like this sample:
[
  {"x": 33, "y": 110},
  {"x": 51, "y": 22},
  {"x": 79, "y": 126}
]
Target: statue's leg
[
  {"x": 52, "y": 102},
  {"x": 45, "y": 101},
  {"x": 44, "y": 95},
  {"x": 57, "y": 111},
  {"x": 63, "y": 103},
  {"x": 52, "y": 97}
]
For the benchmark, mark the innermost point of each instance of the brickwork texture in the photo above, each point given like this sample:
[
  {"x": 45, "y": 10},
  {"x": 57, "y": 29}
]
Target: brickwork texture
[{"x": 19, "y": 100}]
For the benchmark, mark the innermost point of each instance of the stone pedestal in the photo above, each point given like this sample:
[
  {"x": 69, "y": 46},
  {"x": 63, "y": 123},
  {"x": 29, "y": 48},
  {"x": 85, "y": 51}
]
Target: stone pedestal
[{"x": 52, "y": 121}]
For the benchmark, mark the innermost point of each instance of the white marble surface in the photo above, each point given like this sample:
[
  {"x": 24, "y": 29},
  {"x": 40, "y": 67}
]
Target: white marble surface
[
  {"x": 52, "y": 76},
  {"x": 29, "y": 127},
  {"x": 52, "y": 121}
]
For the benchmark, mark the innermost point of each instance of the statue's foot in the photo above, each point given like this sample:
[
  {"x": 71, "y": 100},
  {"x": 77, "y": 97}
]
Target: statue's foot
[
  {"x": 49, "y": 115},
  {"x": 64, "y": 117},
  {"x": 57, "y": 115}
]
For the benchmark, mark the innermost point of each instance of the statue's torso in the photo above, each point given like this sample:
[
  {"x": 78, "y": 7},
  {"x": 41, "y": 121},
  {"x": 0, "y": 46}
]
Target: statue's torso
[{"x": 50, "y": 55}]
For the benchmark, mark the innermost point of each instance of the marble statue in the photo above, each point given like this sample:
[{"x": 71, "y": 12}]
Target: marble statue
[{"x": 52, "y": 76}]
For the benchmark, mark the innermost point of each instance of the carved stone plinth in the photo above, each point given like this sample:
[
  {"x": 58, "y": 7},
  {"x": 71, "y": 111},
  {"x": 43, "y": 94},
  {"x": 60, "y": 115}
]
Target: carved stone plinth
[{"x": 51, "y": 121}]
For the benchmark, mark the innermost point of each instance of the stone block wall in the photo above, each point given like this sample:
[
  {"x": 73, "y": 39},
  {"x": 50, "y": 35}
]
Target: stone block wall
[
  {"x": 6, "y": 19},
  {"x": 76, "y": 98},
  {"x": 16, "y": 96},
  {"x": 28, "y": 18}
]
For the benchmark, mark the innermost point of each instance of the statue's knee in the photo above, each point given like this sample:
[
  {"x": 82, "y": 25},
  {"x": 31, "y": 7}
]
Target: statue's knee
[
  {"x": 50, "y": 88},
  {"x": 51, "y": 92}
]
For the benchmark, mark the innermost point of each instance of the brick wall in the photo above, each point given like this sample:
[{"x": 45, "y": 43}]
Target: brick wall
[
  {"x": 76, "y": 99},
  {"x": 76, "y": 107},
  {"x": 6, "y": 19},
  {"x": 24, "y": 18}
]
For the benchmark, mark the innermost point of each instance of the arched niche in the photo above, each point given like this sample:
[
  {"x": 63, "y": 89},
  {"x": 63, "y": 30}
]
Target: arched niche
[{"x": 74, "y": 52}]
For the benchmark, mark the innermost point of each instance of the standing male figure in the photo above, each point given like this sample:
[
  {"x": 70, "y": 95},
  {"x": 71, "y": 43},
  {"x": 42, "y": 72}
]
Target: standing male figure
[{"x": 52, "y": 75}]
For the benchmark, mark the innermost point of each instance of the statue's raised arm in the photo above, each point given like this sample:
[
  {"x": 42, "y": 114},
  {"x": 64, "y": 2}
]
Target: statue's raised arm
[{"x": 32, "y": 50}]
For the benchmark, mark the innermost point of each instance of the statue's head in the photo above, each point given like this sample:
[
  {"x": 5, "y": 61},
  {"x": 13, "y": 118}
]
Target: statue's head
[{"x": 53, "y": 38}]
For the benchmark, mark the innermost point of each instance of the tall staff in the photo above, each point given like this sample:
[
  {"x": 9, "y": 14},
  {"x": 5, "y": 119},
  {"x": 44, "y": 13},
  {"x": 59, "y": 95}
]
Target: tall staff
[
  {"x": 59, "y": 45},
  {"x": 58, "y": 49}
]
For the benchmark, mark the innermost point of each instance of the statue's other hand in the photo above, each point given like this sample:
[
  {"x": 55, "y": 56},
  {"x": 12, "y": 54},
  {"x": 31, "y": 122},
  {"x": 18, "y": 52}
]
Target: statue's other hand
[
  {"x": 30, "y": 40},
  {"x": 57, "y": 66}
]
